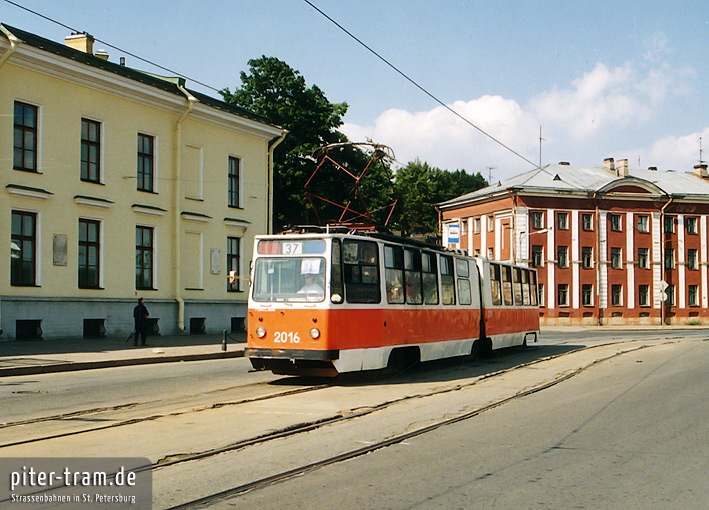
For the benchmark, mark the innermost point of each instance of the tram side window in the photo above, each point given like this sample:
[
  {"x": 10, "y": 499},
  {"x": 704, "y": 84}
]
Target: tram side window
[
  {"x": 507, "y": 285},
  {"x": 412, "y": 276},
  {"x": 447, "y": 280},
  {"x": 533, "y": 292},
  {"x": 465, "y": 296},
  {"x": 361, "y": 271},
  {"x": 336, "y": 284},
  {"x": 517, "y": 284},
  {"x": 394, "y": 273},
  {"x": 525, "y": 287},
  {"x": 495, "y": 284},
  {"x": 430, "y": 278}
]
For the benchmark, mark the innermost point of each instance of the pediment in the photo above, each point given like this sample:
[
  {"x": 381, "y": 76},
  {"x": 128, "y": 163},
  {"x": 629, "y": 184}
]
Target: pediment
[{"x": 632, "y": 185}]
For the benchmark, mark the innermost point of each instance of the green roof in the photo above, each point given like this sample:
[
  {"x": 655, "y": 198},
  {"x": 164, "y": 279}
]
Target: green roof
[{"x": 166, "y": 84}]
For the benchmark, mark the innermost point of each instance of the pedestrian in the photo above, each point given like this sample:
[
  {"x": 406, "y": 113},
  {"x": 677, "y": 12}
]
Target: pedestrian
[{"x": 140, "y": 315}]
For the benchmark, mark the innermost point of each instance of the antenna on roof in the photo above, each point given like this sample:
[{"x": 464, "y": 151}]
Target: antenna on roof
[{"x": 540, "y": 146}]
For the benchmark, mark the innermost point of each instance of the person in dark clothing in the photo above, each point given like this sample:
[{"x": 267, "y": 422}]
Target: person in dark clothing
[{"x": 140, "y": 315}]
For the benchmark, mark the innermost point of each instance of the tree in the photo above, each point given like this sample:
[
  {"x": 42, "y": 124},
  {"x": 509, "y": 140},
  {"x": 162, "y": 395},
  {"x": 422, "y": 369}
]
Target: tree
[
  {"x": 274, "y": 90},
  {"x": 420, "y": 187}
]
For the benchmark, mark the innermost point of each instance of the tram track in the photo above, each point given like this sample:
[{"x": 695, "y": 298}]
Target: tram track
[
  {"x": 235, "y": 491},
  {"x": 98, "y": 412}
]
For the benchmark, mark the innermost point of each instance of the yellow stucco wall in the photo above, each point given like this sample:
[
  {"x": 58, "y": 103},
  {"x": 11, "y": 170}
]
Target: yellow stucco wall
[{"x": 120, "y": 206}]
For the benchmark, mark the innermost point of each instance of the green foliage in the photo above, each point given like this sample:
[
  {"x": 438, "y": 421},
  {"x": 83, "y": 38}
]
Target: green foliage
[
  {"x": 420, "y": 186},
  {"x": 274, "y": 90}
]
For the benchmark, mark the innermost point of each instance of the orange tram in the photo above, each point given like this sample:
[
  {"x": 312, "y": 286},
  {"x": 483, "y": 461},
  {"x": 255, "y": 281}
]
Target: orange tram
[{"x": 327, "y": 303}]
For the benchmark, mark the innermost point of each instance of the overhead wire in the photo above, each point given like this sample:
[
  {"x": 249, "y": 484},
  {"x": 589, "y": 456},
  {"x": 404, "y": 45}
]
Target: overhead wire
[
  {"x": 329, "y": 18},
  {"x": 418, "y": 86},
  {"x": 175, "y": 73}
]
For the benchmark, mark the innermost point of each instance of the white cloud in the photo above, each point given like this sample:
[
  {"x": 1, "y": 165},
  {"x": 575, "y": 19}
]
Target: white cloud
[
  {"x": 676, "y": 152},
  {"x": 599, "y": 98},
  {"x": 603, "y": 106},
  {"x": 444, "y": 140}
]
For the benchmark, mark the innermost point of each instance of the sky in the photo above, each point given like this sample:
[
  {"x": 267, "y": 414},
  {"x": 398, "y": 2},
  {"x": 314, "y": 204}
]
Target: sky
[{"x": 598, "y": 79}]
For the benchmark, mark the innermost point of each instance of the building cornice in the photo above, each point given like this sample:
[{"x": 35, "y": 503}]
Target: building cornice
[
  {"x": 78, "y": 73},
  {"x": 28, "y": 191}
]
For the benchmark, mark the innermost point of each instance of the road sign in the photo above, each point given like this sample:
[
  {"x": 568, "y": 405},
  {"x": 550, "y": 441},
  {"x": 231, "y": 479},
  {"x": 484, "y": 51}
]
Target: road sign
[
  {"x": 663, "y": 286},
  {"x": 663, "y": 296}
]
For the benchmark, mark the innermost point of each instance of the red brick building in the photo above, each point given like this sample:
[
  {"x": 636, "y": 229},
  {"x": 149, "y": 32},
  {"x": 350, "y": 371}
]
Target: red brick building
[{"x": 609, "y": 246}]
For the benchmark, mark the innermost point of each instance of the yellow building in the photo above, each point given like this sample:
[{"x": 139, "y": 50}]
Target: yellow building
[{"x": 118, "y": 184}]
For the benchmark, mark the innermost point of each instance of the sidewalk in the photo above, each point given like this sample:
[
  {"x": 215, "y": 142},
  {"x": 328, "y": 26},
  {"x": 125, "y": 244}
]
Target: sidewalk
[{"x": 64, "y": 355}]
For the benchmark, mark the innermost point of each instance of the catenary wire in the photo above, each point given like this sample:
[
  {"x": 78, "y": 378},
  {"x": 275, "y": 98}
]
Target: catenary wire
[
  {"x": 421, "y": 88},
  {"x": 350, "y": 34},
  {"x": 112, "y": 46}
]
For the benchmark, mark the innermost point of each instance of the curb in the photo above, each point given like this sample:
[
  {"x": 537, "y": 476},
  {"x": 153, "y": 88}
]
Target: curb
[{"x": 72, "y": 366}]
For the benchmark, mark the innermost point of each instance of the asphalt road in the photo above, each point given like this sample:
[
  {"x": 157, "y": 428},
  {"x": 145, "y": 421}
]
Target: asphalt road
[{"x": 626, "y": 433}]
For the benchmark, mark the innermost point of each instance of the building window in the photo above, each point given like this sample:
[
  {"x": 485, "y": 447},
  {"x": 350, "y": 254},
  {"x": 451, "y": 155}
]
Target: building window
[
  {"x": 669, "y": 224},
  {"x": 693, "y": 295},
  {"x": 643, "y": 258},
  {"x": 537, "y": 255},
  {"x": 89, "y": 254},
  {"x": 587, "y": 294},
  {"x": 586, "y": 257},
  {"x": 691, "y": 224},
  {"x": 476, "y": 225},
  {"x": 464, "y": 227},
  {"x": 616, "y": 225},
  {"x": 25, "y": 137},
  {"x": 490, "y": 223},
  {"x": 491, "y": 253},
  {"x": 643, "y": 224},
  {"x": 233, "y": 254},
  {"x": 23, "y": 249},
  {"x": 562, "y": 221},
  {"x": 587, "y": 221},
  {"x": 617, "y": 295},
  {"x": 144, "y": 245},
  {"x": 692, "y": 261},
  {"x": 562, "y": 294},
  {"x": 644, "y": 295},
  {"x": 562, "y": 256},
  {"x": 669, "y": 258},
  {"x": 146, "y": 162},
  {"x": 234, "y": 182},
  {"x": 670, "y": 292},
  {"x": 90, "y": 150},
  {"x": 540, "y": 289},
  {"x": 616, "y": 258},
  {"x": 537, "y": 219}
]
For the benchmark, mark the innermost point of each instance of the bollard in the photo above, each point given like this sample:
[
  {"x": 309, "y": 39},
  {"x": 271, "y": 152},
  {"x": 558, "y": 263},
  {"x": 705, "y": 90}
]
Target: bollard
[{"x": 223, "y": 339}]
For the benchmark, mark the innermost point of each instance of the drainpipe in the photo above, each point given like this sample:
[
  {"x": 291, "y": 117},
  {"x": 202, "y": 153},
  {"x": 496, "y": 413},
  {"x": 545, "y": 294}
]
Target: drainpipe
[
  {"x": 14, "y": 42},
  {"x": 269, "y": 183},
  {"x": 177, "y": 172},
  {"x": 662, "y": 255}
]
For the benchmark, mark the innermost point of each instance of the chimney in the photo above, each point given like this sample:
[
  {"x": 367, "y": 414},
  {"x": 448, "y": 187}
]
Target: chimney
[
  {"x": 609, "y": 165},
  {"x": 622, "y": 169},
  {"x": 80, "y": 41},
  {"x": 701, "y": 170},
  {"x": 102, "y": 54}
]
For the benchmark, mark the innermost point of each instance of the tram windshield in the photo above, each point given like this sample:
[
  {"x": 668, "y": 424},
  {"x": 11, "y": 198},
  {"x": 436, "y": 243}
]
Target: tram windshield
[{"x": 292, "y": 270}]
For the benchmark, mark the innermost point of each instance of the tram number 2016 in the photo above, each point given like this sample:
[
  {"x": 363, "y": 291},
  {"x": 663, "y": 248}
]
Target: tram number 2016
[{"x": 286, "y": 337}]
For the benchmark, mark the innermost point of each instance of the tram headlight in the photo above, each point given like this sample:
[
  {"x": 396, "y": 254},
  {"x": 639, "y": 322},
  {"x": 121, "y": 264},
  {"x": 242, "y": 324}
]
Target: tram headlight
[
  {"x": 260, "y": 332},
  {"x": 315, "y": 333}
]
